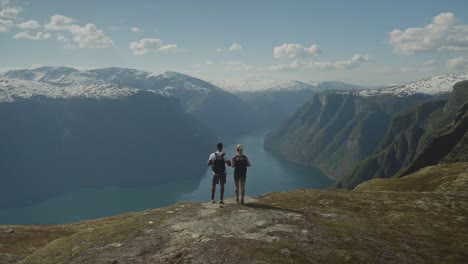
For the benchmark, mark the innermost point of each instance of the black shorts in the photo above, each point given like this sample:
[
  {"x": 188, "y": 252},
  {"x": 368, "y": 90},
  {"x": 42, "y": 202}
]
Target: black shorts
[
  {"x": 241, "y": 177},
  {"x": 219, "y": 177}
]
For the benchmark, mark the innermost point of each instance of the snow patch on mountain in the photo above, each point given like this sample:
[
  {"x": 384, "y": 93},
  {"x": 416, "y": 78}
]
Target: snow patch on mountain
[
  {"x": 437, "y": 85},
  {"x": 62, "y": 82},
  {"x": 11, "y": 89}
]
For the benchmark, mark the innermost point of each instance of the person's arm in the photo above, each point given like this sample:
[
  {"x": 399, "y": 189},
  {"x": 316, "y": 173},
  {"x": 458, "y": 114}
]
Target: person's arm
[
  {"x": 226, "y": 159},
  {"x": 210, "y": 160},
  {"x": 248, "y": 161},
  {"x": 233, "y": 162}
]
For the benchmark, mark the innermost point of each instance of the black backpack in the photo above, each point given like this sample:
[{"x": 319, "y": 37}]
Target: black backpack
[
  {"x": 240, "y": 165},
  {"x": 219, "y": 166}
]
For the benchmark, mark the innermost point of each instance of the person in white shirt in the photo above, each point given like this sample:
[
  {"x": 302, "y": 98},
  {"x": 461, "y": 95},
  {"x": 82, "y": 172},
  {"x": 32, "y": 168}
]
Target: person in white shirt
[{"x": 218, "y": 161}]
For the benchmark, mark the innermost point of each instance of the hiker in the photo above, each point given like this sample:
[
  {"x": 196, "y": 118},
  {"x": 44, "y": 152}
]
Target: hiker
[
  {"x": 240, "y": 162},
  {"x": 217, "y": 162}
]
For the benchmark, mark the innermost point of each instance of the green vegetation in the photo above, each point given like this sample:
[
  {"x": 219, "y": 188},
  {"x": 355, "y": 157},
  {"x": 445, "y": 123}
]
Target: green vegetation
[
  {"x": 423, "y": 135},
  {"x": 335, "y": 131},
  {"x": 451, "y": 177}
]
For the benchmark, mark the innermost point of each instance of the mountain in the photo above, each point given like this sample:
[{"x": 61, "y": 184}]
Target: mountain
[
  {"x": 50, "y": 145},
  {"x": 236, "y": 86},
  {"x": 439, "y": 178},
  {"x": 423, "y": 135},
  {"x": 437, "y": 85},
  {"x": 197, "y": 97},
  {"x": 239, "y": 86},
  {"x": 275, "y": 104},
  {"x": 334, "y": 131},
  {"x": 275, "y": 100},
  {"x": 336, "y": 86}
]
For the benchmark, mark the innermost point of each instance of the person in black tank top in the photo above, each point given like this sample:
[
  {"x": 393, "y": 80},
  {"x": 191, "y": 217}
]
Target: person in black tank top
[{"x": 240, "y": 162}]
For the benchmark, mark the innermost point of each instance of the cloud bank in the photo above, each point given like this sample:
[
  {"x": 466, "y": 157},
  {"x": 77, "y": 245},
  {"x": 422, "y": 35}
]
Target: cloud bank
[
  {"x": 295, "y": 51},
  {"x": 445, "y": 33},
  {"x": 87, "y": 36},
  {"x": 145, "y": 46},
  {"x": 38, "y": 36}
]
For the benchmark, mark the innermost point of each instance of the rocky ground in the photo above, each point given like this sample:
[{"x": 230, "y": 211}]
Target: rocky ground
[{"x": 303, "y": 226}]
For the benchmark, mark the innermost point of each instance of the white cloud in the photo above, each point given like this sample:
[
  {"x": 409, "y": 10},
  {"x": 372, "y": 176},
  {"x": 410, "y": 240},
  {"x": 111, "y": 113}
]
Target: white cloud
[
  {"x": 5, "y": 25},
  {"x": 85, "y": 36},
  {"x": 233, "y": 47},
  {"x": 10, "y": 12},
  {"x": 62, "y": 38},
  {"x": 143, "y": 46},
  {"x": 90, "y": 37},
  {"x": 59, "y": 22},
  {"x": 38, "y": 36},
  {"x": 298, "y": 65},
  {"x": 445, "y": 33},
  {"x": 31, "y": 24},
  {"x": 460, "y": 63},
  {"x": 295, "y": 51},
  {"x": 136, "y": 30}
]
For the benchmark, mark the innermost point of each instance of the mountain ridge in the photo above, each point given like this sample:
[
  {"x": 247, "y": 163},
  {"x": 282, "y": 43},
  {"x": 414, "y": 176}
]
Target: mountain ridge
[{"x": 198, "y": 97}]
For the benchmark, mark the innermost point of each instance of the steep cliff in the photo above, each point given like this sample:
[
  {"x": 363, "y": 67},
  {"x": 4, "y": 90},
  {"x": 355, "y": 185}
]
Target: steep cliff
[
  {"x": 334, "y": 131},
  {"x": 423, "y": 135}
]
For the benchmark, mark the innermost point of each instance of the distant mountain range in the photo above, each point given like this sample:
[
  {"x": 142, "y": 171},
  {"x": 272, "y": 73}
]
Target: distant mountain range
[
  {"x": 199, "y": 98},
  {"x": 241, "y": 86},
  {"x": 437, "y": 85}
]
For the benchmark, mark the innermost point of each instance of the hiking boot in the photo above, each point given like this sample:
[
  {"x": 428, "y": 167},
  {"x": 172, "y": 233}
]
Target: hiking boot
[
  {"x": 221, "y": 202},
  {"x": 213, "y": 201},
  {"x": 242, "y": 201}
]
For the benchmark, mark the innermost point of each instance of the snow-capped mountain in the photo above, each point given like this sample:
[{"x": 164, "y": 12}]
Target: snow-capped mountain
[
  {"x": 196, "y": 96},
  {"x": 437, "y": 85},
  {"x": 336, "y": 86},
  {"x": 238, "y": 86},
  {"x": 17, "y": 88},
  {"x": 66, "y": 82},
  {"x": 255, "y": 85}
]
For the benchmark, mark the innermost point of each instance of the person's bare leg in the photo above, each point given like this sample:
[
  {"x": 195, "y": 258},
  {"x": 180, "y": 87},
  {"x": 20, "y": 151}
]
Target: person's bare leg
[
  {"x": 236, "y": 189},
  {"x": 213, "y": 189},
  {"x": 242, "y": 190},
  {"x": 222, "y": 190}
]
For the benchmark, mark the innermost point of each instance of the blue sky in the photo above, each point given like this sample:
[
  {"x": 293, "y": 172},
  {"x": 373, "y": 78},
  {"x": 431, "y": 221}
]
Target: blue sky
[{"x": 362, "y": 42}]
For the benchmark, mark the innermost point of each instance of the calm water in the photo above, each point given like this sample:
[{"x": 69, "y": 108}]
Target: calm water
[{"x": 267, "y": 174}]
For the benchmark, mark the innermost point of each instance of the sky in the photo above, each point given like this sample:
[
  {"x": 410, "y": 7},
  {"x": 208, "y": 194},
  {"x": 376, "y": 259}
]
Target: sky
[{"x": 366, "y": 42}]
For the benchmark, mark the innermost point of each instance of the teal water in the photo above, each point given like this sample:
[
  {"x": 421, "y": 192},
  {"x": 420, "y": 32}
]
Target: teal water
[{"x": 268, "y": 173}]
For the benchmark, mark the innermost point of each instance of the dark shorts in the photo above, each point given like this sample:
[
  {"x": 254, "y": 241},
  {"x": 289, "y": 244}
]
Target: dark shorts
[
  {"x": 241, "y": 177},
  {"x": 219, "y": 177}
]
